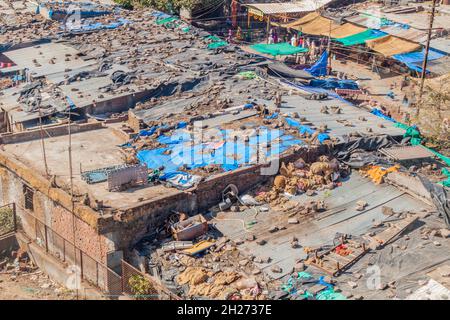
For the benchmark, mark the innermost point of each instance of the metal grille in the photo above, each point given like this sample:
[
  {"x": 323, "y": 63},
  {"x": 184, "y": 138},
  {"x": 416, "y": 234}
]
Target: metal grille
[
  {"x": 92, "y": 271},
  {"x": 131, "y": 175},
  {"x": 28, "y": 196}
]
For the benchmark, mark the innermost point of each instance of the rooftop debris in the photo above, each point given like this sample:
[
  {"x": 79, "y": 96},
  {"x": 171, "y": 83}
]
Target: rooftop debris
[{"x": 155, "y": 82}]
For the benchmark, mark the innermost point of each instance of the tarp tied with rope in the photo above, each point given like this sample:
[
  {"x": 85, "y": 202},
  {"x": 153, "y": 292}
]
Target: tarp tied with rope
[
  {"x": 277, "y": 49},
  {"x": 320, "y": 67},
  {"x": 361, "y": 38},
  {"x": 411, "y": 58}
]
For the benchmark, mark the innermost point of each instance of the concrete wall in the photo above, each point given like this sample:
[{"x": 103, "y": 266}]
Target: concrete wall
[
  {"x": 61, "y": 130},
  {"x": 209, "y": 192},
  {"x": 119, "y": 104}
]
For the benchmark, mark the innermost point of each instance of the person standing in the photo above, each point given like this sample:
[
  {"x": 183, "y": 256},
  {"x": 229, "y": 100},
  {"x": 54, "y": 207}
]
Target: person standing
[
  {"x": 275, "y": 37},
  {"x": 270, "y": 37},
  {"x": 294, "y": 40},
  {"x": 230, "y": 36}
]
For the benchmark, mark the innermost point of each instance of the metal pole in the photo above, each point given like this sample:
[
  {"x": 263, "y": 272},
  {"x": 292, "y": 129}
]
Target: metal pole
[{"x": 425, "y": 60}]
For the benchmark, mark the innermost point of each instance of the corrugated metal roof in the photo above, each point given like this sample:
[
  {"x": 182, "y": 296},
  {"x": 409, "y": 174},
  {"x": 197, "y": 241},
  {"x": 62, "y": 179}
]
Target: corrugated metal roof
[
  {"x": 380, "y": 23},
  {"x": 288, "y": 7},
  {"x": 438, "y": 66},
  {"x": 42, "y": 54},
  {"x": 441, "y": 44},
  {"x": 408, "y": 34}
]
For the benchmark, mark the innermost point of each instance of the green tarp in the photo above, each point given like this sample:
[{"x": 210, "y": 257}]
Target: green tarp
[
  {"x": 361, "y": 37},
  {"x": 166, "y": 20},
  {"x": 218, "y": 44},
  {"x": 277, "y": 49},
  {"x": 416, "y": 139}
]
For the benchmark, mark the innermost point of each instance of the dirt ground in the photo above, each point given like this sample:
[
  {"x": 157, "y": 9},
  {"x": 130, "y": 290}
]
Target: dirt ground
[{"x": 31, "y": 286}]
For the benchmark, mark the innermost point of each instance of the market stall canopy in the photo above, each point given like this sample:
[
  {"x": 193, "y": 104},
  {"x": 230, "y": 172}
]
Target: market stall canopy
[
  {"x": 411, "y": 59},
  {"x": 265, "y": 9},
  {"x": 346, "y": 30},
  {"x": 303, "y": 20},
  {"x": 277, "y": 49},
  {"x": 320, "y": 26},
  {"x": 361, "y": 37},
  {"x": 390, "y": 45}
]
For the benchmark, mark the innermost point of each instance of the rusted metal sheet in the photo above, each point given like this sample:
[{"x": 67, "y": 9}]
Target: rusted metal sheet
[{"x": 407, "y": 153}]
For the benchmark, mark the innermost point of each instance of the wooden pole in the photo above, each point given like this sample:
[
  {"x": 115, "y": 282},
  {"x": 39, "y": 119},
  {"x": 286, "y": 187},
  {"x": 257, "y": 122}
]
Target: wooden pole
[
  {"x": 425, "y": 60},
  {"x": 73, "y": 205},
  {"x": 329, "y": 50},
  {"x": 42, "y": 141}
]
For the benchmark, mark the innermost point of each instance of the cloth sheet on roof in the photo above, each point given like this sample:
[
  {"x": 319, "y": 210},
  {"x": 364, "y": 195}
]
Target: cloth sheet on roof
[
  {"x": 390, "y": 45},
  {"x": 180, "y": 179},
  {"x": 360, "y": 38},
  {"x": 320, "y": 67},
  {"x": 346, "y": 30},
  {"x": 277, "y": 49},
  {"x": 417, "y": 56},
  {"x": 319, "y": 26},
  {"x": 308, "y": 18}
]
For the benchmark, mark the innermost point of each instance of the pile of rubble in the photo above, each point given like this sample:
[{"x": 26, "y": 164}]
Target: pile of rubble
[
  {"x": 300, "y": 177},
  {"x": 221, "y": 273}
]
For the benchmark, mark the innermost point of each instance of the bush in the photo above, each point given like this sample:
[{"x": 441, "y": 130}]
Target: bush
[
  {"x": 140, "y": 286},
  {"x": 6, "y": 220}
]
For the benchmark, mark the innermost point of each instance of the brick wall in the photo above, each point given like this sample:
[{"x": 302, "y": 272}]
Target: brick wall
[{"x": 56, "y": 217}]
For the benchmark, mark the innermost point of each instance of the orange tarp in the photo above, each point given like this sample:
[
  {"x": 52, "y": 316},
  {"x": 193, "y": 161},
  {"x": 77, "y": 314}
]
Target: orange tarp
[
  {"x": 390, "y": 45},
  {"x": 313, "y": 23},
  {"x": 319, "y": 26},
  {"x": 346, "y": 30},
  {"x": 308, "y": 18}
]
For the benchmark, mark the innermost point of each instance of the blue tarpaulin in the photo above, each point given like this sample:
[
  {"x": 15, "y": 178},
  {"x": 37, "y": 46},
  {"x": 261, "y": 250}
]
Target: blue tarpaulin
[
  {"x": 306, "y": 129},
  {"x": 380, "y": 114},
  {"x": 272, "y": 116},
  {"x": 320, "y": 67},
  {"x": 412, "y": 58},
  {"x": 333, "y": 83},
  {"x": 179, "y": 150},
  {"x": 88, "y": 26}
]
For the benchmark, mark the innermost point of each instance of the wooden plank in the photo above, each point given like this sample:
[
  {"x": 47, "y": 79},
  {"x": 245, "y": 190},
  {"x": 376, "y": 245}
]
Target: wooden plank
[{"x": 387, "y": 235}]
